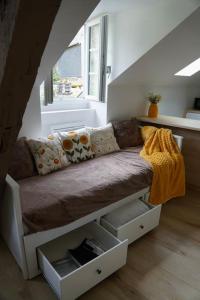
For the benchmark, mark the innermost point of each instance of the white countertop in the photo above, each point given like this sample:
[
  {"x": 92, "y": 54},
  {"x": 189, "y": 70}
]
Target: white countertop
[{"x": 173, "y": 122}]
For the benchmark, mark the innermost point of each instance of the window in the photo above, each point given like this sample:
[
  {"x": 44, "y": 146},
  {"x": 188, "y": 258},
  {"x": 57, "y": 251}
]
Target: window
[
  {"x": 80, "y": 73},
  {"x": 190, "y": 70},
  {"x": 96, "y": 52}
]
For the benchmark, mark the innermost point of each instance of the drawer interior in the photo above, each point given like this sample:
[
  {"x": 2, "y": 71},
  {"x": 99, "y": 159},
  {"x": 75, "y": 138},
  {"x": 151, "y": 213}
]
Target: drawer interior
[
  {"x": 57, "y": 251},
  {"x": 127, "y": 213}
]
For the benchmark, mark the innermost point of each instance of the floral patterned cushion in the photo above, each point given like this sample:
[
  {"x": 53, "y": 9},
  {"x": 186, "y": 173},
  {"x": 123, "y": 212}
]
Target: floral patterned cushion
[
  {"x": 54, "y": 136},
  {"x": 48, "y": 154},
  {"x": 103, "y": 140},
  {"x": 77, "y": 145}
]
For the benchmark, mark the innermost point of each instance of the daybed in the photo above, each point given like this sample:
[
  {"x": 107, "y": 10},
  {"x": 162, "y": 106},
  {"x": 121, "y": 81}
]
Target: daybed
[{"x": 61, "y": 208}]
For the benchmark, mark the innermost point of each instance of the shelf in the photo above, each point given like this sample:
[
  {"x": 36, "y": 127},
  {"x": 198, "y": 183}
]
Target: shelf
[{"x": 173, "y": 122}]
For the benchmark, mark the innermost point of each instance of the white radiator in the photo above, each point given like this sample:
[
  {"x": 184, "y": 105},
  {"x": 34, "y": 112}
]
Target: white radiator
[
  {"x": 70, "y": 126},
  {"x": 179, "y": 140}
]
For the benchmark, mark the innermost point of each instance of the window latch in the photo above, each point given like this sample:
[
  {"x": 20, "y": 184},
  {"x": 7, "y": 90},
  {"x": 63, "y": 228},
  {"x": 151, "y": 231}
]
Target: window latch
[{"x": 108, "y": 70}]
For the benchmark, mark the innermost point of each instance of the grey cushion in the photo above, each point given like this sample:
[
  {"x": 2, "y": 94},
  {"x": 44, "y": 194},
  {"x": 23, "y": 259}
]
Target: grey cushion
[
  {"x": 127, "y": 133},
  {"x": 22, "y": 163}
]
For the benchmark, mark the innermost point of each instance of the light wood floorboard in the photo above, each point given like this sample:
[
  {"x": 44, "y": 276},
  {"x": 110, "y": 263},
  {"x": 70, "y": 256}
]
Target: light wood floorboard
[{"x": 163, "y": 265}]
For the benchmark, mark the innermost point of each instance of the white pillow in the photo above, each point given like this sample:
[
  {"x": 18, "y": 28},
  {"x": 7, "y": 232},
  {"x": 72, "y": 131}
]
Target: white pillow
[
  {"x": 103, "y": 140},
  {"x": 77, "y": 145},
  {"x": 48, "y": 154}
]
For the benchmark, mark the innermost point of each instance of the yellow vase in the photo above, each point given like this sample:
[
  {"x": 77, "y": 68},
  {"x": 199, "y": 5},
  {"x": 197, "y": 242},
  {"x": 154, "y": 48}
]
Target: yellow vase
[{"x": 153, "y": 110}]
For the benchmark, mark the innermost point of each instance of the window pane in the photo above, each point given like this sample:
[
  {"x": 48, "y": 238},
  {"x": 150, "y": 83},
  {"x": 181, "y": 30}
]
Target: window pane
[
  {"x": 68, "y": 73},
  {"x": 93, "y": 61},
  {"x": 94, "y": 36},
  {"x": 93, "y": 84},
  {"x": 94, "y": 52}
]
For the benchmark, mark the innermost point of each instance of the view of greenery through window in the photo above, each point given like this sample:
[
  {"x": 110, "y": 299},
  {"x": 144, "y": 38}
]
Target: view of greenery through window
[{"x": 70, "y": 87}]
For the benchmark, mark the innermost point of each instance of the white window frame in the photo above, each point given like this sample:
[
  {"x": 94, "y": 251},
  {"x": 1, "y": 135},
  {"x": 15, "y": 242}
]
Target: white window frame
[
  {"x": 103, "y": 22},
  {"x": 48, "y": 90}
]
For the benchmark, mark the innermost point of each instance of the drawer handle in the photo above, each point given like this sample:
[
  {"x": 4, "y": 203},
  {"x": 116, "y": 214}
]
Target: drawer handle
[
  {"x": 99, "y": 271},
  {"x": 142, "y": 226}
]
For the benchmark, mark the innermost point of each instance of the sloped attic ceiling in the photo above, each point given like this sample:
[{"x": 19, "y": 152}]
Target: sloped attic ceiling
[
  {"x": 69, "y": 19},
  {"x": 137, "y": 25},
  {"x": 158, "y": 66}
]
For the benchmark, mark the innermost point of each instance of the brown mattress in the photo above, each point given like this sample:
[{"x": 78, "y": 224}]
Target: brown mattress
[{"x": 64, "y": 196}]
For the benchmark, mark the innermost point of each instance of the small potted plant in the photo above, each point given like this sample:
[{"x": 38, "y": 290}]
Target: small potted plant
[{"x": 153, "y": 107}]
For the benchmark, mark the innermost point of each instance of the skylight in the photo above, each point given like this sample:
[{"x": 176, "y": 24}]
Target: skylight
[{"x": 191, "y": 69}]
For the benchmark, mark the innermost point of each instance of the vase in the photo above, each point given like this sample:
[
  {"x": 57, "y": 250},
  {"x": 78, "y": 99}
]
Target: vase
[{"x": 153, "y": 110}]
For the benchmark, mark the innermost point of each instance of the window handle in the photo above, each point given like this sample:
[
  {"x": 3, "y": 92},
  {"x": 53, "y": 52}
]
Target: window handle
[{"x": 108, "y": 70}]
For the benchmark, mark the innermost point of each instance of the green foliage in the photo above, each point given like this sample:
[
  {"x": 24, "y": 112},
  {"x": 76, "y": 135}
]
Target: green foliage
[
  {"x": 153, "y": 98},
  {"x": 56, "y": 76}
]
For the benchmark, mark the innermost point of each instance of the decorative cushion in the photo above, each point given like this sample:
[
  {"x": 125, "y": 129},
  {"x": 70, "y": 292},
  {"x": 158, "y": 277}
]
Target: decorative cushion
[
  {"x": 103, "y": 140},
  {"x": 54, "y": 136},
  {"x": 127, "y": 133},
  {"x": 49, "y": 155},
  {"x": 22, "y": 162},
  {"x": 77, "y": 145}
]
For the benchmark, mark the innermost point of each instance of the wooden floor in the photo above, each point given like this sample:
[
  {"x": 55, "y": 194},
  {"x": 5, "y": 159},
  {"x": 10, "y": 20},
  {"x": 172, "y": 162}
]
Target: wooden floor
[{"x": 163, "y": 265}]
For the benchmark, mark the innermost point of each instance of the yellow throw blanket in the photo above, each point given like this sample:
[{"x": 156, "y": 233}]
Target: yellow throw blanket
[{"x": 161, "y": 150}]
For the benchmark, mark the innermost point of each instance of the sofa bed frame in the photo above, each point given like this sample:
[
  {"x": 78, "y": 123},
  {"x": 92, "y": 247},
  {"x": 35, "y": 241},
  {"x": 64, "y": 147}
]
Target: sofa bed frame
[{"x": 24, "y": 246}]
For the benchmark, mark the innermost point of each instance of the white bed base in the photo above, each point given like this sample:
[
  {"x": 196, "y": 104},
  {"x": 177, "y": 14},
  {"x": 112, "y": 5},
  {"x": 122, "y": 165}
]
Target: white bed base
[{"x": 23, "y": 247}]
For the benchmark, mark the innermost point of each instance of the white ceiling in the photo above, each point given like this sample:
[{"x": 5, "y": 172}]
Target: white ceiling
[
  {"x": 158, "y": 66},
  {"x": 112, "y": 6},
  {"x": 116, "y": 6}
]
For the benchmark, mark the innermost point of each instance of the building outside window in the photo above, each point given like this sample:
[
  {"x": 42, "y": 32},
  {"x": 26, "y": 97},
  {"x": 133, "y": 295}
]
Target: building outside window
[{"x": 68, "y": 72}]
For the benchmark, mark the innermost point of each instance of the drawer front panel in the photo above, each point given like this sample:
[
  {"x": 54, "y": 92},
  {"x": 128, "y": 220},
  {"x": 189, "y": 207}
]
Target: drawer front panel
[
  {"x": 88, "y": 276},
  {"x": 49, "y": 273},
  {"x": 137, "y": 227},
  {"x": 141, "y": 225}
]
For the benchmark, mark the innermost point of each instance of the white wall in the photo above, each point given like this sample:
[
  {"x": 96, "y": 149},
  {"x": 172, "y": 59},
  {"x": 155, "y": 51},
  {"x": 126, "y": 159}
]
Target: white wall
[
  {"x": 101, "y": 113},
  {"x": 129, "y": 101},
  {"x": 93, "y": 114},
  {"x": 87, "y": 117},
  {"x": 32, "y": 118},
  {"x": 143, "y": 24},
  {"x": 72, "y": 104},
  {"x": 125, "y": 102},
  {"x": 175, "y": 100},
  {"x": 155, "y": 72}
]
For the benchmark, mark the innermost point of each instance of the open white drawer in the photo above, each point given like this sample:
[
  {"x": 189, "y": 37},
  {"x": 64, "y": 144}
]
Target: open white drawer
[
  {"x": 127, "y": 223},
  {"x": 77, "y": 280}
]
